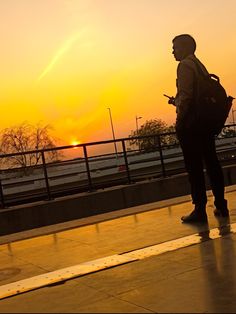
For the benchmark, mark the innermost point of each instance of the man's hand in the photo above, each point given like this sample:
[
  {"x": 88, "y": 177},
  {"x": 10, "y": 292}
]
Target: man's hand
[{"x": 171, "y": 101}]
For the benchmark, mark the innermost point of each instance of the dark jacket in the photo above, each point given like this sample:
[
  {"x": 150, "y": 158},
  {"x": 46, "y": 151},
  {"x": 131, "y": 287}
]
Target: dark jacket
[{"x": 184, "y": 101}]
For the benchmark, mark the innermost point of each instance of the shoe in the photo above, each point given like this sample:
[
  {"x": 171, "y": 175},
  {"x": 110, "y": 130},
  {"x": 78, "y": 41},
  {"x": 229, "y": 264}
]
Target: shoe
[
  {"x": 221, "y": 213},
  {"x": 195, "y": 217}
]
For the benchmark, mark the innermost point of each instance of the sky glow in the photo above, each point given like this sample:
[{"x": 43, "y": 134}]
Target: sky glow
[{"x": 64, "y": 62}]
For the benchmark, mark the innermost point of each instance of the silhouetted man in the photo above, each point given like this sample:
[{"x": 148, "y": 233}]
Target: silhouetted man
[{"x": 198, "y": 145}]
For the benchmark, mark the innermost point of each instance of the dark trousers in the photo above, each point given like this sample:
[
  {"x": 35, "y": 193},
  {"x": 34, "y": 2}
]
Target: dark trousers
[{"x": 200, "y": 150}]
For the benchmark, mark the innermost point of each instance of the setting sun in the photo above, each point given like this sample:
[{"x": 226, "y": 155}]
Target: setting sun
[{"x": 75, "y": 142}]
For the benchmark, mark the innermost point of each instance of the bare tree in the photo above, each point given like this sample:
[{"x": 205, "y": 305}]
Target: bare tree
[{"x": 26, "y": 137}]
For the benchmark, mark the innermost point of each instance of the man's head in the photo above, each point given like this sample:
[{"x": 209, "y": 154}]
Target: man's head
[{"x": 183, "y": 46}]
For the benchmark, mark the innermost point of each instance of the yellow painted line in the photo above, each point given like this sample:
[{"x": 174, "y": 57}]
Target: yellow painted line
[
  {"x": 112, "y": 261},
  {"x": 62, "y": 275},
  {"x": 180, "y": 243}
]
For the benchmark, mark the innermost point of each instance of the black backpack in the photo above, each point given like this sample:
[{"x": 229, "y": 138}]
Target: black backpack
[{"x": 211, "y": 103}]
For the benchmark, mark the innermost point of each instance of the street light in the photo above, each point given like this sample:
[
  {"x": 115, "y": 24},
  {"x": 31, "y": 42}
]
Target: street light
[
  {"x": 233, "y": 111},
  {"x": 137, "y": 118},
  {"x": 112, "y": 129}
]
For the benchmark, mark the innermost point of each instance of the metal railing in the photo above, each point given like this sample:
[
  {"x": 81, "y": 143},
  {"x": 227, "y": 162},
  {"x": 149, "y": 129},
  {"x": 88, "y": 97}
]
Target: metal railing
[{"x": 122, "y": 167}]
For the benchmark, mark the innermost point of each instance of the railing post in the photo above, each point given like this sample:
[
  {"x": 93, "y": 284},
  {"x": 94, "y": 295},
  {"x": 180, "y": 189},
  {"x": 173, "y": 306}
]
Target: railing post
[
  {"x": 161, "y": 156},
  {"x": 87, "y": 168},
  {"x": 46, "y": 176},
  {"x": 126, "y": 161},
  {"x": 1, "y": 195}
]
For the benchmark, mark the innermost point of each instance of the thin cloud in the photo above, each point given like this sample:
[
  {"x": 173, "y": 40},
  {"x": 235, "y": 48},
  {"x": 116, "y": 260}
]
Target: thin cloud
[{"x": 65, "y": 48}]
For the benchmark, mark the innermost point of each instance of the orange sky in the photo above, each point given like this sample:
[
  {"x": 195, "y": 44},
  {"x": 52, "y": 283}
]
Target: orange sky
[{"x": 64, "y": 62}]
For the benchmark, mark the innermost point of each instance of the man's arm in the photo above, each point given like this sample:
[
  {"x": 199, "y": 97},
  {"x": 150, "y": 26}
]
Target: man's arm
[{"x": 185, "y": 90}]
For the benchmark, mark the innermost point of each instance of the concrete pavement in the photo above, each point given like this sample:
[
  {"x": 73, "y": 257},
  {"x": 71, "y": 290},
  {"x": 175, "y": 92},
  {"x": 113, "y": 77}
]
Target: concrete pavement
[{"x": 196, "y": 278}]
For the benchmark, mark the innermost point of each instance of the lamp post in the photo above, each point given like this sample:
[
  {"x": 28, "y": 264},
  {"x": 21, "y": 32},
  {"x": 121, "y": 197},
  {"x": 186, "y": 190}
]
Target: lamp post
[
  {"x": 112, "y": 129},
  {"x": 233, "y": 111},
  {"x": 137, "y": 118}
]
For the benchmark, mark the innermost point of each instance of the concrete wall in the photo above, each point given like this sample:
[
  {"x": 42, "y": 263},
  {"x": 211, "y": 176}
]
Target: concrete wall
[{"x": 63, "y": 209}]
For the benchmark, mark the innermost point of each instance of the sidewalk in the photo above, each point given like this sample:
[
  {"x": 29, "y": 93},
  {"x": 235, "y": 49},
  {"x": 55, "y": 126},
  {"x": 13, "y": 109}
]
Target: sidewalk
[{"x": 194, "y": 278}]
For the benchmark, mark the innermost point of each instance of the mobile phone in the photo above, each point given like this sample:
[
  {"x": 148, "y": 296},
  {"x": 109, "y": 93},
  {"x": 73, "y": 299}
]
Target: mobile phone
[{"x": 167, "y": 96}]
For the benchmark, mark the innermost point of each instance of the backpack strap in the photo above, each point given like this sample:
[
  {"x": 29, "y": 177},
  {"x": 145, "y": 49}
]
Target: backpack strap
[
  {"x": 199, "y": 68},
  {"x": 202, "y": 72}
]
